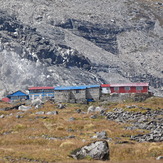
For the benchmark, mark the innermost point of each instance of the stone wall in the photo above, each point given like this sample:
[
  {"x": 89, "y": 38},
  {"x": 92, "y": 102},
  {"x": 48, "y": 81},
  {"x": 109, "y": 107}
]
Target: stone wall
[
  {"x": 115, "y": 97},
  {"x": 81, "y": 96},
  {"x": 72, "y": 96},
  {"x": 62, "y": 96},
  {"x": 93, "y": 93},
  {"x": 77, "y": 94}
]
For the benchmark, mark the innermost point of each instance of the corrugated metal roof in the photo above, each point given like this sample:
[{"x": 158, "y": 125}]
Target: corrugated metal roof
[
  {"x": 36, "y": 88},
  {"x": 69, "y": 87},
  {"x": 79, "y": 87},
  {"x": 129, "y": 85},
  {"x": 105, "y": 85},
  {"x": 61, "y": 88},
  {"x": 5, "y": 99},
  {"x": 76, "y": 87},
  {"x": 17, "y": 93},
  {"x": 92, "y": 86}
]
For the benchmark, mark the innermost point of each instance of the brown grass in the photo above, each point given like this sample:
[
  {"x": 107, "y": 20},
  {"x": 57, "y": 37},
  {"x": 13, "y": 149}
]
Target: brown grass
[{"x": 28, "y": 138}]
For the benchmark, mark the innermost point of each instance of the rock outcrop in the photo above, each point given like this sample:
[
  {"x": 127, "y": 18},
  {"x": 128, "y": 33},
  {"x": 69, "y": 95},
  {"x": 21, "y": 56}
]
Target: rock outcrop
[
  {"x": 149, "y": 120},
  {"x": 98, "y": 150},
  {"x": 71, "y": 42}
]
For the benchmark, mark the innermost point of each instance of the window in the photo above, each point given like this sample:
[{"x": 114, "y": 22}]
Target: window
[
  {"x": 139, "y": 88},
  {"x": 77, "y": 91},
  {"x": 36, "y": 91},
  {"x": 48, "y": 90},
  {"x": 116, "y": 88},
  {"x": 127, "y": 88}
]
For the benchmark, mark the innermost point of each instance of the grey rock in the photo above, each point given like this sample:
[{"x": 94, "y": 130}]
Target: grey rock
[
  {"x": 91, "y": 109},
  {"x": 36, "y": 102},
  {"x": 71, "y": 137},
  {"x": 70, "y": 130},
  {"x": 93, "y": 116},
  {"x": 40, "y": 112},
  {"x": 11, "y": 108},
  {"x": 159, "y": 158},
  {"x": 102, "y": 113},
  {"x": 2, "y": 116},
  {"x": 52, "y": 113},
  {"x": 72, "y": 119},
  {"x": 100, "y": 135},
  {"x": 148, "y": 120},
  {"x": 19, "y": 116},
  {"x": 131, "y": 107},
  {"x": 78, "y": 110},
  {"x": 61, "y": 106},
  {"x": 123, "y": 142},
  {"x": 24, "y": 108},
  {"x": 98, "y": 150},
  {"x": 42, "y": 117},
  {"x": 38, "y": 106},
  {"x": 98, "y": 109}
]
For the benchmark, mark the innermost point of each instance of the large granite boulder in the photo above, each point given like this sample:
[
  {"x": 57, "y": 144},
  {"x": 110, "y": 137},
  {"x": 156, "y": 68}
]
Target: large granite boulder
[
  {"x": 98, "y": 150},
  {"x": 24, "y": 108}
]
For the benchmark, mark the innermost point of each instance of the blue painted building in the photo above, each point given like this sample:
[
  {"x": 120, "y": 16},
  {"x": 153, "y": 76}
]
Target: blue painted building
[
  {"x": 41, "y": 92},
  {"x": 18, "y": 95}
]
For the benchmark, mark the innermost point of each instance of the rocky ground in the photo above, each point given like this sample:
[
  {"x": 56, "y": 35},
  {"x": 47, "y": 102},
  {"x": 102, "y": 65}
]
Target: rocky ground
[
  {"x": 73, "y": 42},
  {"x": 99, "y": 131}
]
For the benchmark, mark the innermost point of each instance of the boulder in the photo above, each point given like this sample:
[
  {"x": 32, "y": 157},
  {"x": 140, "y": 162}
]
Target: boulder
[
  {"x": 61, "y": 106},
  {"x": 36, "y": 102},
  {"x": 19, "y": 116},
  {"x": 100, "y": 135},
  {"x": 93, "y": 109},
  {"x": 159, "y": 158},
  {"x": 40, "y": 112},
  {"x": 2, "y": 116},
  {"x": 93, "y": 116},
  {"x": 98, "y": 150},
  {"x": 52, "y": 113},
  {"x": 72, "y": 119},
  {"x": 98, "y": 109},
  {"x": 38, "y": 106},
  {"x": 24, "y": 108},
  {"x": 78, "y": 110}
]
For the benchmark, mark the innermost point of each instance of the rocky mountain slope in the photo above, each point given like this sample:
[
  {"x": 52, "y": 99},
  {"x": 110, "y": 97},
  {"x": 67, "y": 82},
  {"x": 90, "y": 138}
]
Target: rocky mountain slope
[{"x": 56, "y": 42}]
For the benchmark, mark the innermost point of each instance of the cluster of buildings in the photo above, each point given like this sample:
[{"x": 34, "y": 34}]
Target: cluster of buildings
[{"x": 78, "y": 94}]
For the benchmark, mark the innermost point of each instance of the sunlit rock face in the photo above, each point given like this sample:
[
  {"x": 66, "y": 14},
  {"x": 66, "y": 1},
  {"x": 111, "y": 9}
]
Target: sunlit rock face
[{"x": 72, "y": 42}]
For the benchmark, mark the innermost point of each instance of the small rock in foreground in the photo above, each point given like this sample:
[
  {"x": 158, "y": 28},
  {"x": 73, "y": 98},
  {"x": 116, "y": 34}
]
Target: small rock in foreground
[{"x": 159, "y": 158}]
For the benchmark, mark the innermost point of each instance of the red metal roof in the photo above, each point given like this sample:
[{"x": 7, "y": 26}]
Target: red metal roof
[
  {"x": 6, "y": 99},
  {"x": 130, "y": 85},
  {"x": 125, "y": 85},
  {"x": 36, "y": 88},
  {"x": 105, "y": 85}
]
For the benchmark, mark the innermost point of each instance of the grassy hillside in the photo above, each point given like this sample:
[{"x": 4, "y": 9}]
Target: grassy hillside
[{"x": 50, "y": 138}]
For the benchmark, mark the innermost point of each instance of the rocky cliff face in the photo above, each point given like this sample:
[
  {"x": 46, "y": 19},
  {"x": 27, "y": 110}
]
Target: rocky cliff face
[{"x": 72, "y": 42}]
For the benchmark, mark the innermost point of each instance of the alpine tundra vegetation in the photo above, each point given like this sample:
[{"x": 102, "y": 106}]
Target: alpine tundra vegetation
[{"x": 48, "y": 132}]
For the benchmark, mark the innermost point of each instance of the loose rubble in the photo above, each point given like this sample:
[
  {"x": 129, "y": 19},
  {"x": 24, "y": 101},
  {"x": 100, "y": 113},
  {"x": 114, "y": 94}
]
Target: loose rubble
[{"x": 150, "y": 120}]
